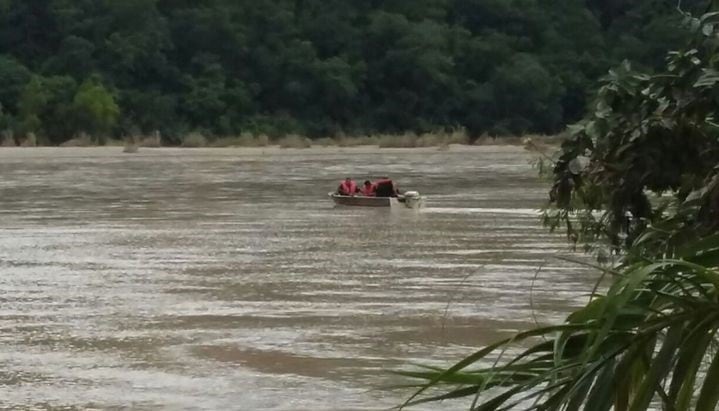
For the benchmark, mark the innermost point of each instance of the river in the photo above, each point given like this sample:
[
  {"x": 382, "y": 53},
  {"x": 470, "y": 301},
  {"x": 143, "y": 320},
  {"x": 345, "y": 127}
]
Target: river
[{"x": 222, "y": 279}]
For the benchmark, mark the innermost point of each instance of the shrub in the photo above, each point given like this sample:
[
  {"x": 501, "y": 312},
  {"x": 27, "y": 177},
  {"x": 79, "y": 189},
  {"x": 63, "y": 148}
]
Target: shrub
[
  {"x": 30, "y": 140},
  {"x": 130, "y": 148},
  {"x": 95, "y": 108},
  {"x": 294, "y": 141},
  {"x": 243, "y": 140},
  {"x": 194, "y": 140},
  {"x": 324, "y": 142},
  {"x": 406, "y": 140},
  {"x": 151, "y": 141},
  {"x": 8, "y": 139},
  {"x": 82, "y": 140},
  {"x": 458, "y": 136},
  {"x": 510, "y": 141},
  {"x": 428, "y": 140},
  {"x": 484, "y": 140},
  {"x": 225, "y": 142},
  {"x": 443, "y": 139},
  {"x": 113, "y": 142},
  {"x": 345, "y": 141},
  {"x": 262, "y": 140}
]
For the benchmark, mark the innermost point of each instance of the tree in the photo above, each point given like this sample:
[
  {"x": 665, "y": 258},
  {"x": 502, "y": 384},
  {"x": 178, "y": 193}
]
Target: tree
[
  {"x": 526, "y": 96},
  {"x": 408, "y": 71},
  {"x": 44, "y": 108},
  {"x": 32, "y": 103},
  {"x": 95, "y": 109},
  {"x": 325, "y": 67},
  {"x": 13, "y": 77},
  {"x": 149, "y": 111},
  {"x": 76, "y": 57},
  {"x": 27, "y": 30},
  {"x": 57, "y": 116}
]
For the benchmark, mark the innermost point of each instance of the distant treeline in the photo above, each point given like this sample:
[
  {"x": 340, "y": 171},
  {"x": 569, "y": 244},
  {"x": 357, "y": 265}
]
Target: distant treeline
[{"x": 314, "y": 67}]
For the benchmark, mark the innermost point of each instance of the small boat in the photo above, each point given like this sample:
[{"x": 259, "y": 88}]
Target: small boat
[{"x": 410, "y": 199}]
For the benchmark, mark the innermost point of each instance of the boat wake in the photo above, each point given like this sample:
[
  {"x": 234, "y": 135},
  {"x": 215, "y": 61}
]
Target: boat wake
[{"x": 530, "y": 212}]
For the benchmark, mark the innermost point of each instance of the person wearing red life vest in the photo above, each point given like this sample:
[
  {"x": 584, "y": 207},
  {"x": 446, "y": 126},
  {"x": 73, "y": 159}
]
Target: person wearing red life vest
[
  {"x": 347, "y": 187},
  {"x": 368, "y": 189}
]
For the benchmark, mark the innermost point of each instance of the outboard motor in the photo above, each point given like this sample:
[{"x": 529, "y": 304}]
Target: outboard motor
[{"x": 412, "y": 199}]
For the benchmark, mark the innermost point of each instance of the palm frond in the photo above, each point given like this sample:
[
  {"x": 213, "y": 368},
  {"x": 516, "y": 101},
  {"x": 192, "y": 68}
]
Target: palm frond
[{"x": 646, "y": 339}]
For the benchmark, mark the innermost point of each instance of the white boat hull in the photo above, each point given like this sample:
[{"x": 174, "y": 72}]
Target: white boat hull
[{"x": 414, "y": 201}]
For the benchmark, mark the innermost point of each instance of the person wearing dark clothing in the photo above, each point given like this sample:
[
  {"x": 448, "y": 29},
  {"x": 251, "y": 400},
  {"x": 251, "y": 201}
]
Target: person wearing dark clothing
[{"x": 385, "y": 188}]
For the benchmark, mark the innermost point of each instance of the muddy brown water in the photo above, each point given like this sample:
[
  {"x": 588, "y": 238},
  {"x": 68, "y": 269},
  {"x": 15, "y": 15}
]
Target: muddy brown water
[{"x": 227, "y": 280}]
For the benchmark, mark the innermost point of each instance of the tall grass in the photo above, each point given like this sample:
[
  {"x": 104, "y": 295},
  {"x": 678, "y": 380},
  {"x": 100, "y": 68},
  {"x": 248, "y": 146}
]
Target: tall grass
[
  {"x": 435, "y": 139},
  {"x": 324, "y": 142},
  {"x": 153, "y": 141},
  {"x": 81, "y": 140},
  {"x": 130, "y": 148},
  {"x": 7, "y": 139},
  {"x": 243, "y": 140},
  {"x": 130, "y": 145},
  {"x": 345, "y": 141},
  {"x": 114, "y": 142},
  {"x": 294, "y": 141},
  {"x": 194, "y": 140},
  {"x": 406, "y": 140},
  {"x": 440, "y": 139},
  {"x": 650, "y": 339},
  {"x": 486, "y": 140},
  {"x": 30, "y": 140}
]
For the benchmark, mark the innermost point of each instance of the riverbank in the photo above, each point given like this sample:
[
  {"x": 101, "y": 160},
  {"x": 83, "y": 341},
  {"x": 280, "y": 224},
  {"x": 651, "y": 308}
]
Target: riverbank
[
  {"x": 114, "y": 151},
  {"x": 198, "y": 140}
]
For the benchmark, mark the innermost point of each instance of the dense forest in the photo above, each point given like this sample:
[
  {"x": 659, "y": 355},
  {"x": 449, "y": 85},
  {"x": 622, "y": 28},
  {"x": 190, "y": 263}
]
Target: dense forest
[{"x": 315, "y": 67}]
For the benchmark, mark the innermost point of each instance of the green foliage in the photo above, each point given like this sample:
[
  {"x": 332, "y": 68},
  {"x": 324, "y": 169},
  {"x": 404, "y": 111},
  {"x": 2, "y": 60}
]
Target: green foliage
[
  {"x": 45, "y": 108},
  {"x": 647, "y": 340},
  {"x": 525, "y": 96},
  {"x": 294, "y": 141},
  {"x": 13, "y": 77},
  {"x": 32, "y": 102},
  {"x": 74, "y": 58},
  {"x": 639, "y": 173},
  {"x": 322, "y": 68},
  {"x": 194, "y": 140},
  {"x": 94, "y": 108},
  {"x": 646, "y": 155}
]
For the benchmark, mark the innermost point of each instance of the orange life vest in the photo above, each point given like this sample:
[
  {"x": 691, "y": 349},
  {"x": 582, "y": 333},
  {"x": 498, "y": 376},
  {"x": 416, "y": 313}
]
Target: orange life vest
[
  {"x": 348, "y": 188},
  {"x": 368, "y": 190}
]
